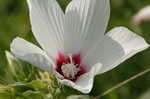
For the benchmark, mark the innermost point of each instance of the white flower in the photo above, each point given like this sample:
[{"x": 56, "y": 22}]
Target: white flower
[
  {"x": 74, "y": 46},
  {"x": 142, "y": 15}
]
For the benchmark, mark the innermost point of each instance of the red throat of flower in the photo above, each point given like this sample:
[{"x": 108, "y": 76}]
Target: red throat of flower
[{"x": 69, "y": 66}]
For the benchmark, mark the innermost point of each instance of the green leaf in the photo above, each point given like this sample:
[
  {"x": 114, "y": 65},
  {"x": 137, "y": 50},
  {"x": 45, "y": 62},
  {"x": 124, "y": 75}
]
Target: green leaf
[
  {"x": 6, "y": 92},
  {"x": 33, "y": 95},
  {"x": 15, "y": 69},
  {"x": 19, "y": 71},
  {"x": 79, "y": 97},
  {"x": 37, "y": 84}
]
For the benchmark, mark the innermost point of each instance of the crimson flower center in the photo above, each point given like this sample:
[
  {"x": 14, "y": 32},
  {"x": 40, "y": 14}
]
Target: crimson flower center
[{"x": 69, "y": 66}]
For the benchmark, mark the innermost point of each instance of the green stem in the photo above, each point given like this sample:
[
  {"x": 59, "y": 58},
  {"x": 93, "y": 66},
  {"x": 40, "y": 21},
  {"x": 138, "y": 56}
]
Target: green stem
[{"x": 122, "y": 83}]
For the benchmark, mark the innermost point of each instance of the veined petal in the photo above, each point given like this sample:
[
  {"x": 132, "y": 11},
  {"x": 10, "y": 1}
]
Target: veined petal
[
  {"x": 47, "y": 24},
  {"x": 118, "y": 45},
  {"x": 86, "y": 22},
  {"x": 84, "y": 82},
  {"x": 32, "y": 54}
]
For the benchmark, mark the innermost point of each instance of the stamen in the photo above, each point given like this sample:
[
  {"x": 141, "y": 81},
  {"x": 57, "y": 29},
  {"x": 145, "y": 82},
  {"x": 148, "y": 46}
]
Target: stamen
[
  {"x": 70, "y": 70},
  {"x": 69, "y": 66}
]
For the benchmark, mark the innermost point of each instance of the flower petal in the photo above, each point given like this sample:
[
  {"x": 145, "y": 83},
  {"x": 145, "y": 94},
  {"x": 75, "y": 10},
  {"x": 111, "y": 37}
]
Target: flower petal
[
  {"x": 142, "y": 16},
  {"x": 118, "y": 45},
  {"x": 84, "y": 82},
  {"x": 32, "y": 54},
  {"x": 47, "y": 24},
  {"x": 86, "y": 22}
]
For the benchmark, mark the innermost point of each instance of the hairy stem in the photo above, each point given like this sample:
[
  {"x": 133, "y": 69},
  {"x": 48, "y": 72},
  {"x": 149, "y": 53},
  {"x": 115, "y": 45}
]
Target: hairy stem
[{"x": 122, "y": 83}]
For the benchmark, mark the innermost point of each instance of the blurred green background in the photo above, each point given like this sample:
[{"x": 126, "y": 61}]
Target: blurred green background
[{"x": 14, "y": 21}]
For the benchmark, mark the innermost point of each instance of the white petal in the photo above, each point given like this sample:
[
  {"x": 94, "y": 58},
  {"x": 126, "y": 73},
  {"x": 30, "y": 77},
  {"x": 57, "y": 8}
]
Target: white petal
[
  {"x": 47, "y": 24},
  {"x": 118, "y": 45},
  {"x": 86, "y": 22},
  {"x": 85, "y": 82},
  {"x": 142, "y": 15},
  {"x": 32, "y": 54}
]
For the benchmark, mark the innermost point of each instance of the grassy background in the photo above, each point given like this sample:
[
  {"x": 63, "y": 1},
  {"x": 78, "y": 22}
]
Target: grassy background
[{"x": 14, "y": 21}]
